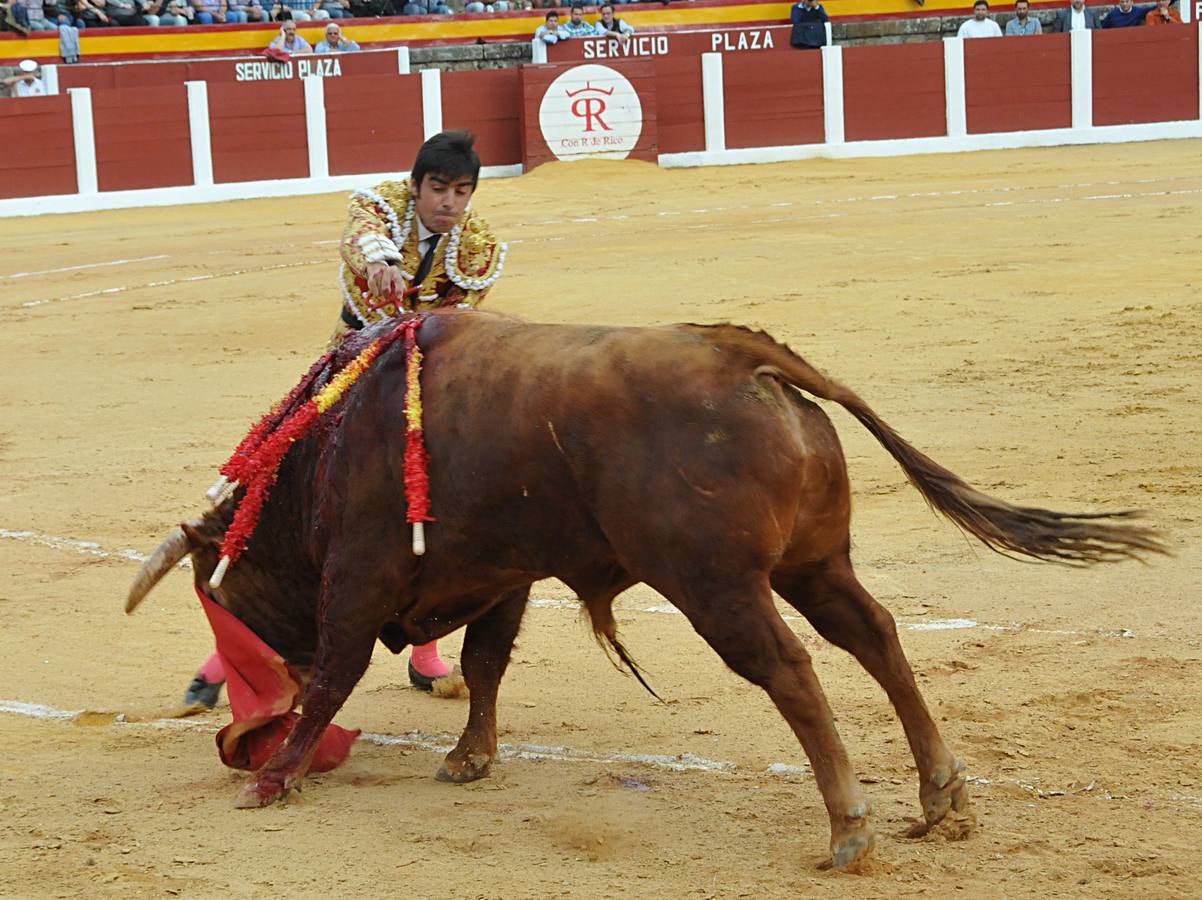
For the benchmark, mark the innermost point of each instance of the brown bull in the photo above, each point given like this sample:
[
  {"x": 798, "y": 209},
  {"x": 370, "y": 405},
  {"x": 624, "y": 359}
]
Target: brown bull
[{"x": 682, "y": 457}]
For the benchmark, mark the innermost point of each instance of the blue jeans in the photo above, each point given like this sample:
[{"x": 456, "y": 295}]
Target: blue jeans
[{"x": 236, "y": 17}]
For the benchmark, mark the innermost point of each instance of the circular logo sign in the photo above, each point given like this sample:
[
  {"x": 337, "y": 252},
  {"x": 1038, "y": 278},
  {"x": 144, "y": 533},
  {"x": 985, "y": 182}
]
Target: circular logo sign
[{"x": 591, "y": 111}]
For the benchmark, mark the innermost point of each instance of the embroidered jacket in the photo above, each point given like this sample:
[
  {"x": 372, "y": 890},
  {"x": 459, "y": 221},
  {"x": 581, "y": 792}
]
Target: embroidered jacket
[{"x": 381, "y": 228}]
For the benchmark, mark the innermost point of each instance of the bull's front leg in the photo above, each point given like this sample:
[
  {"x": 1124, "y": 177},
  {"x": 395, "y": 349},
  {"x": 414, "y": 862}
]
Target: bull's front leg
[
  {"x": 487, "y": 645},
  {"x": 343, "y": 653}
]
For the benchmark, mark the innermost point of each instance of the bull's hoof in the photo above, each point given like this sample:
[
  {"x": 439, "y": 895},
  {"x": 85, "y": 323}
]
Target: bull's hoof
[
  {"x": 945, "y": 802},
  {"x": 852, "y": 849},
  {"x": 258, "y": 793},
  {"x": 461, "y": 771}
]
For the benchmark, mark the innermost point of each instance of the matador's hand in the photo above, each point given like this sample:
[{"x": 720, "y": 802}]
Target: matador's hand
[{"x": 384, "y": 280}]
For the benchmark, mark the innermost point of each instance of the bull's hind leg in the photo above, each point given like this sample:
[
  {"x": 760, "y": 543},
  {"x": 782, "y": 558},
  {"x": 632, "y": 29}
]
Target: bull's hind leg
[
  {"x": 741, "y": 623},
  {"x": 487, "y": 645},
  {"x": 844, "y": 613}
]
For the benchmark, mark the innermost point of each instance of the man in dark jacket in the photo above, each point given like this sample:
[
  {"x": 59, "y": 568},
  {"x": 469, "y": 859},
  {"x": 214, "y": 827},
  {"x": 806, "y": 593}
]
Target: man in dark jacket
[
  {"x": 1126, "y": 15},
  {"x": 1075, "y": 18},
  {"x": 809, "y": 24}
]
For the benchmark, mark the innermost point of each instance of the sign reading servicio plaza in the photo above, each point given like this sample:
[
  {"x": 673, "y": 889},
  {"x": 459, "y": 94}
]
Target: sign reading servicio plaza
[{"x": 673, "y": 43}]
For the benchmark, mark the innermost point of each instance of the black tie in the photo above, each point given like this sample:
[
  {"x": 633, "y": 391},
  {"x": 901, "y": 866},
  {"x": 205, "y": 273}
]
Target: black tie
[{"x": 423, "y": 268}]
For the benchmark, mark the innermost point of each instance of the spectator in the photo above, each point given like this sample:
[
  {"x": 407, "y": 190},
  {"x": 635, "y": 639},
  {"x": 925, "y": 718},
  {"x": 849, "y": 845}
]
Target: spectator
[
  {"x": 1076, "y": 18},
  {"x": 809, "y": 25},
  {"x": 289, "y": 41},
  {"x": 1164, "y": 14},
  {"x": 614, "y": 28},
  {"x": 207, "y": 12},
  {"x": 369, "y": 9},
  {"x": 123, "y": 13},
  {"x": 170, "y": 13},
  {"x": 90, "y": 14},
  {"x": 335, "y": 42},
  {"x": 239, "y": 12},
  {"x": 1023, "y": 22},
  {"x": 37, "y": 18},
  {"x": 980, "y": 25},
  {"x": 576, "y": 26},
  {"x": 550, "y": 32},
  {"x": 27, "y": 84},
  {"x": 16, "y": 17},
  {"x": 476, "y": 6},
  {"x": 298, "y": 10},
  {"x": 337, "y": 9},
  {"x": 1126, "y": 15}
]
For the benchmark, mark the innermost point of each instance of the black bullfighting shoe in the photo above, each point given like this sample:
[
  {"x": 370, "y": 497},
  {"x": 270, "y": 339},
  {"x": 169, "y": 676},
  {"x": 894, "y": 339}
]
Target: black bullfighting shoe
[
  {"x": 420, "y": 681},
  {"x": 201, "y": 693}
]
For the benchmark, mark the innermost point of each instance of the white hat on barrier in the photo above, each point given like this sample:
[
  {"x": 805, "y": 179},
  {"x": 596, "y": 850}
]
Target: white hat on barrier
[{"x": 27, "y": 65}]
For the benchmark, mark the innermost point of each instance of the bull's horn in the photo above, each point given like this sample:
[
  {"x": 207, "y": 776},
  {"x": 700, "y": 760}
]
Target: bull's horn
[{"x": 162, "y": 561}]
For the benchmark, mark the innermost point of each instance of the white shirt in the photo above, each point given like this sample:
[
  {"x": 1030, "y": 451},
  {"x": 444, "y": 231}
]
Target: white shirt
[
  {"x": 424, "y": 236},
  {"x": 33, "y": 88},
  {"x": 1077, "y": 22},
  {"x": 971, "y": 28}
]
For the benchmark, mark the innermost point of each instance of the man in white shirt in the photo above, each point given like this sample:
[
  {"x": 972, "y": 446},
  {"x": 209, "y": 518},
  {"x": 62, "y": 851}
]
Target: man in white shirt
[
  {"x": 27, "y": 84},
  {"x": 980, "y": 25}
]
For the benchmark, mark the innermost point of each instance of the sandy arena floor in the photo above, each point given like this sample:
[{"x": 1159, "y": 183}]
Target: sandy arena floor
[{"x": 1032, "y": 319}]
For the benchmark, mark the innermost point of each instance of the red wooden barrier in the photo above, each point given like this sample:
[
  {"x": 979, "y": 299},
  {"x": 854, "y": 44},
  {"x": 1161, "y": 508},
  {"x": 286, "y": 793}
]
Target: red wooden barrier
[
  {"x": 489, "y": 104},
  {"x": 142, "y": 137},
  {"x": 39, "y": 147},
  {"x": 373, "y": 123},
  {"x": 678, "y": 101},
  {"x": 1139, "y": 75},
  {"x": 1018, "y": 85},
  {"x": 773, "y": 100},
  {"x": 258, "y": 131},
  {"x": 894, "y": 91}
]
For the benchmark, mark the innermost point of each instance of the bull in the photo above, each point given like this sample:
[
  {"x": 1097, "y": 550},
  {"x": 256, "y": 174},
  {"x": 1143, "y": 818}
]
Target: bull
[{"x": 682, "y": 457}]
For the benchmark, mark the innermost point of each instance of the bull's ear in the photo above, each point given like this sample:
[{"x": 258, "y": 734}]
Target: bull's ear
[{"x": 195, "y": 540}]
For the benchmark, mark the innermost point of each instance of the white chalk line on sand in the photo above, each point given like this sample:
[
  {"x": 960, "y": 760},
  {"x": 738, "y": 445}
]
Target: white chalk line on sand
[
  {"x": 96, "y": 265},
  {"x": 91, "y": 548},
  {"x": 208, "y": 276},
  {"x": 681, "y": 762}
]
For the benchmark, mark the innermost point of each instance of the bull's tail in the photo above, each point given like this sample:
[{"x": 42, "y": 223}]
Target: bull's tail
[{"x": 1072, "y": 538}]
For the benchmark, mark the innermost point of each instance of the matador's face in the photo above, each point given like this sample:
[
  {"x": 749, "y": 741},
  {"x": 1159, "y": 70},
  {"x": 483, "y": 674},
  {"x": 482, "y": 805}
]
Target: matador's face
[{"x": 442, "y": 200}]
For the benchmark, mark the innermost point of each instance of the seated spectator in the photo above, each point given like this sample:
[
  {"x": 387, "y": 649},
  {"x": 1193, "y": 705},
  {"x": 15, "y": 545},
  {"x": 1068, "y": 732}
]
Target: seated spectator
[
  {"x": 239, "y": 12},
  {"x": 27, "y": 84},
  {"x": 607, "y": 25},
  {"x": 335, "y": 42},
  {"x": 369, "y": 9},
  {"x": 980, "y": 25},
  {"x": 16, "y": 18},
  {"x": 576, "y": 26},
  {"x": 298, "y": 10},
  {"x": 1076, "y": 18},
  {"x": 1164, "y": 14},
  {"x": 289, "y": 41},
  {"x": 90, "y": 14},
  {"x": 123, "y": 13},
  {"x": 338, "y": 9},
  {"x": 809, "y": 25},
  {"x": 550, "y": 32},
  {"x": 476, "y": 6},
  {"x": 176, "y": 13},
  {"x": 1023, "y": 22},
  {"x": 36, "y": 17},
  {"x": 1126, "y": 15}
]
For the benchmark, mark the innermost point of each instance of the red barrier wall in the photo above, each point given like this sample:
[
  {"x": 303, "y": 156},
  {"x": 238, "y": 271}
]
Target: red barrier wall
[
  {"x": 489, "y": 104},
  {"x": 1018, "y": 85},
  {"x": 678, "y": 101},
  {"x": 373, "y": 123},
  {"x": 773, "y": 100},
  {"x": 1139, "y": 73},
  {"x": 38, "y": 158},
  {"x": 258, "y": 131},
  {"x": 894, "y": 91},
  {"x": 142, "y": 138}
]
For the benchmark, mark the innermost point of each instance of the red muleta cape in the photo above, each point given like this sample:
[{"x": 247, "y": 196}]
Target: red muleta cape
[{"x": 263, "y": 693}]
